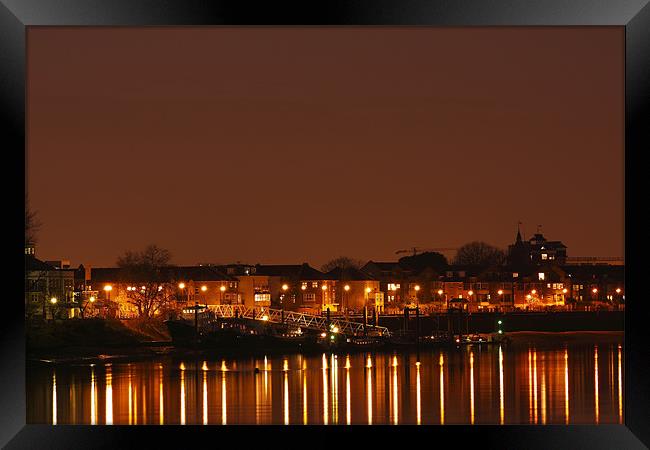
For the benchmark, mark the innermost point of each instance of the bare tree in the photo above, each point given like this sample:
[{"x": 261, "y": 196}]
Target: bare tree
[
  {"x": 479, "y": 254},
  {"x": 32, "y": 223},
  {"x": 146, "y": 274},
  {"x": 343, "y": 262}
]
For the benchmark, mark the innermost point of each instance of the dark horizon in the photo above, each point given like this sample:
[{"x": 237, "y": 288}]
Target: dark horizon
[{"x": 371, "y": 141}]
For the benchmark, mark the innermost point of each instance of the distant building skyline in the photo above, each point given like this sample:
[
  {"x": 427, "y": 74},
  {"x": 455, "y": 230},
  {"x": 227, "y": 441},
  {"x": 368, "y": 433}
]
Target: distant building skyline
[{"x": 280, "y": 145}]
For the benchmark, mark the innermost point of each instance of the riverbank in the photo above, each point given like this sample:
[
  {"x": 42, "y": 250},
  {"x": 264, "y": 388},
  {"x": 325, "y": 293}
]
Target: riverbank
[
  {"x": 559, "y": 321},
  {"x": 95, "y": 338}
]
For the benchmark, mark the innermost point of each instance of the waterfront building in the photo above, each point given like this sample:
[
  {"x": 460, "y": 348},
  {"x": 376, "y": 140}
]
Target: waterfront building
[
  {"x": 293, "y": 287},
  {"x": 117, "y": 291},
  {"x": 596, "y": 284},
  {"x": 49, "y": 291},
  {"x": 356, "y": 290},
  {"x": 537, "y": 250}
]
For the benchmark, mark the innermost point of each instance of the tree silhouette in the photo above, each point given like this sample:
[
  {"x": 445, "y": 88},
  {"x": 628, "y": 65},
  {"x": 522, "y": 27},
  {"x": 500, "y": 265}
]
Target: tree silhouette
[
  {"x": 479, "y": 254},
  {"x": 344, "y": 262},
  {"x": 419, "y": 262},
  {"x": 32, "y": 223},
  {"x": 146, "y": 272}
]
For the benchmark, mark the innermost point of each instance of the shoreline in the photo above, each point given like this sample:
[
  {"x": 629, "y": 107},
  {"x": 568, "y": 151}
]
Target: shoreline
[{"x": 147, "y": 351}]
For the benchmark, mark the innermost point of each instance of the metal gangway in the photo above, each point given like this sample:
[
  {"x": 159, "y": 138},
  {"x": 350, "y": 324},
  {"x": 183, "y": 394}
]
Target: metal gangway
[{"x": 308, "y": 321}]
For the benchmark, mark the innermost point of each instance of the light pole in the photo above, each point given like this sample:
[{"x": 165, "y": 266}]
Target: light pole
[
  {"x": 222, "y": 289},
  {"x": 204, "y": 288},
  {"x": 417, "y": 289},
  {"x": 346, "y": 288},
  {"x": 285, "y": 288},
  {"x": 440, "y": 292},
  {"x": 500, "y": 292},
  {"x": 53, "y": 301},
  {"x": 181, "y": 286},
  {"x": 324, "y": 289},
  {"x": 365, "y": 307}
]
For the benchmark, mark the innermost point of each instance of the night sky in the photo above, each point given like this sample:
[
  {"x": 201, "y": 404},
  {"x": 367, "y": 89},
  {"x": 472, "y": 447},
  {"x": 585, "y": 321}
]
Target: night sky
[{"x": 278, "y": 145}]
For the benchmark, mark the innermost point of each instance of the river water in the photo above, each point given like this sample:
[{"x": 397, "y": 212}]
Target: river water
[{"x": 531, "y": 383}]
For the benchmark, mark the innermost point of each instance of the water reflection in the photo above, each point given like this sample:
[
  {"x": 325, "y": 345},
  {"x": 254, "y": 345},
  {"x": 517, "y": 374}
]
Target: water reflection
[
  {"x": 451, "y": 386},
  {"x": 501, "y": 394},
  {"x": 418, "y": 399},
  {"x": 566, "y": 386},
  {"x": 161, "y": 398},
  {"x": 182, "y": 393},
  {"x": 441, "y": 362},
  {"x": 54, "y": 414},
  {"x": 369, "y": 389},
  {"x": 471, "y": 387},
  {"x": 596, "y": 403},
  {"x": 620, "y": 388},
  {"x": 348, "y": 403},
  {"x": 109, "y": 395},
  {"x": 93, "y": 393}
]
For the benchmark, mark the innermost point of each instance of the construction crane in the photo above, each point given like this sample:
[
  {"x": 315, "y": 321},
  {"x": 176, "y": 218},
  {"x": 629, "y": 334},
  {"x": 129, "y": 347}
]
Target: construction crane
[{"x": 416, "y": 250}]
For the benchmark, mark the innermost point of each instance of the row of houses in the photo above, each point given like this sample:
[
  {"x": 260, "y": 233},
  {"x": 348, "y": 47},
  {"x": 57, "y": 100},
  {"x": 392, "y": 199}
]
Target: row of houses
[{"x": 382, "y": 286}]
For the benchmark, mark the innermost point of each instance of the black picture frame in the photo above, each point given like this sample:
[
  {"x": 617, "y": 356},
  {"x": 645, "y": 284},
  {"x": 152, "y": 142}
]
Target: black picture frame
[{"x": 17, "y": 15}]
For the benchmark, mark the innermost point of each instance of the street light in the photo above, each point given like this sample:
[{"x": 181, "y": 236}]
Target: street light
[
  {"x": 53, "y": 300},
  {"x": 181, "y": 286},
  {"x": 222, "y": 289},
  {"x": 346, "y": 288},
  {"x": 108, "y": 288}
]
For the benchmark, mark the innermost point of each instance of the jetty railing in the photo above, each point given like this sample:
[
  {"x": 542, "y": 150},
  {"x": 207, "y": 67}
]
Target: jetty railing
[{"x": 308, "y": 321}]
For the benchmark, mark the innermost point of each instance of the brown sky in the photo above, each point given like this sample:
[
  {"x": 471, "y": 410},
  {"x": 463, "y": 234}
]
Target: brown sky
[{"x": 281, "y": 145}]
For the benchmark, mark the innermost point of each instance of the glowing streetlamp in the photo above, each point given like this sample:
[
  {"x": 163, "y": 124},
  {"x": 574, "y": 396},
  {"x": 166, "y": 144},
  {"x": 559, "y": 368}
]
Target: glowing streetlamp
[
  {"x": 618, "y": 290},
  {"x": 53, "y": 300},
  {"x": 222, "y": 289},
  {"x": 181, "y": 286},
  {"x": 346, "y": 289},
  {"x": 204, "y": 288},
  {"x": 108, "y": 288}
]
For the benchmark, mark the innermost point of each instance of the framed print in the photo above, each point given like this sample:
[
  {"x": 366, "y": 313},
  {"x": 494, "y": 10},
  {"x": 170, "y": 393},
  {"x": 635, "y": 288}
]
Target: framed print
[{"x": 259, "y": 223}]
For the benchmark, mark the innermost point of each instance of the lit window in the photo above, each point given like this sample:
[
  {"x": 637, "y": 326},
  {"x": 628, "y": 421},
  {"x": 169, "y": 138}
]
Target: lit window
[
  {"x": 393, "y": 287},
  {"x": 515, "y": 275},
  {"x": 310, "y": 297},
  {"x": 544, "y": 256},
  {"x": 262, "y": 297},
  {"x": 541, "y": 275},
  {"x": 314, "y": 284}
]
